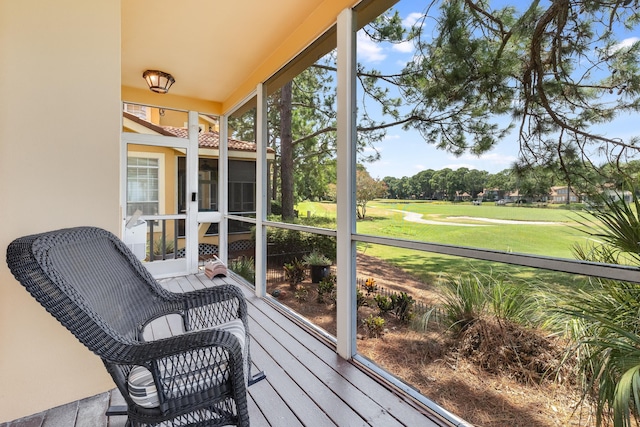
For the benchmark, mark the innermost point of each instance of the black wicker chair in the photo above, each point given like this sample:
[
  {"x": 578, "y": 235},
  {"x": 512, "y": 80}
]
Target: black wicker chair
[{"x": 92, "y": 283}]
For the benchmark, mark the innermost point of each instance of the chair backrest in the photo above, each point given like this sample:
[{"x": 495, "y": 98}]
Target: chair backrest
[{"x": 91, "y": 282}]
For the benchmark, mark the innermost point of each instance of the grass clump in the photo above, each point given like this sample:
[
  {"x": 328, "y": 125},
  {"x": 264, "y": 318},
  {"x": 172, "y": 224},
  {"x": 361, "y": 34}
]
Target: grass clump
[{"x": 244, "y": 267}]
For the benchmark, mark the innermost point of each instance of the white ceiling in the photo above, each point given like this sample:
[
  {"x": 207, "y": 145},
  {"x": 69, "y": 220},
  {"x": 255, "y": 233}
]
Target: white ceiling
[{"x": 209, "y": 46}]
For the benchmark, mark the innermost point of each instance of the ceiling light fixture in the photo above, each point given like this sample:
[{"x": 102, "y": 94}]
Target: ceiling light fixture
[{"x": 158, "y": 81}]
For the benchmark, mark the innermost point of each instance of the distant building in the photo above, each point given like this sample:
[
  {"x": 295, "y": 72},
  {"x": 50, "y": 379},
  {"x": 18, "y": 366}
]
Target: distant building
[
  {"x": 563, "y": 194},
  {"x": 491, "y": 194}
]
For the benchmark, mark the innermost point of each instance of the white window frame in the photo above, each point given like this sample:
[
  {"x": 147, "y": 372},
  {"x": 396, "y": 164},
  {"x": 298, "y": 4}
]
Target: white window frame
[{"x": 161, "y": 174}]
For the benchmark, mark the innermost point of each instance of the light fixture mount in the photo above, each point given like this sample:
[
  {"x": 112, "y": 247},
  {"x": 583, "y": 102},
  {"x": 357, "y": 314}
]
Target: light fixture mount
[{"x": 158, "y": 81}]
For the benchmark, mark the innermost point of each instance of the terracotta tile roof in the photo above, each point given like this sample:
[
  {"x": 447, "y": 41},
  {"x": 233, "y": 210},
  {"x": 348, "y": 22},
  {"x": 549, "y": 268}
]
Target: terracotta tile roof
[
  {"x": 205, "y": 139},
  {"x": 146, "y": 124},
  {"x": 212, "y": 139}
]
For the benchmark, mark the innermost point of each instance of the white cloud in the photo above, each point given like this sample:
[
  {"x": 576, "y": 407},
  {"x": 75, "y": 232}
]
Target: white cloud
[
  {"x": 369, "y": 51},
  {"x": 499, "y": 159},
  {"x": 371, "y": 150},
  {"x": 411, "y": 19},
  {"x": 389, "y": 137},
  {"x": 404, "y": 47},
  {"x": 624, "y": 44},
  {"x": 491, "y": 162}
]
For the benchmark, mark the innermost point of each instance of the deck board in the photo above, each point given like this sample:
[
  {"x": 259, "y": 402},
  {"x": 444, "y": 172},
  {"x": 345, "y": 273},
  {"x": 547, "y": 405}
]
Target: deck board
[
  {"x": 339, "y": 374},
  {"x": 307, "y": 383},
  {"x": 91, "y": 411},
  {"x": 316, "y": 374},
  {"x": 64, "y": 415},
  {"x": 295, "y": 397},
  {"x": 274, "y": 410}
]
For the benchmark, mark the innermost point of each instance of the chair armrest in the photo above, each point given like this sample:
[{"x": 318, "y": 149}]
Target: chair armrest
[{"x": 143, "y": 353}]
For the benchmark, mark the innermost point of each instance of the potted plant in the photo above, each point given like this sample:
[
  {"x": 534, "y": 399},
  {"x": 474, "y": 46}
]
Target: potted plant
[
  {"x": 168, "y": 249},
  {"x": 319, "y": 265}
]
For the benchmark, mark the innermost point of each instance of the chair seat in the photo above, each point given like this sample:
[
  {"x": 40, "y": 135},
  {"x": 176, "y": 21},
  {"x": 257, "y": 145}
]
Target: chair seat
[{"x": 191, "y": 374}]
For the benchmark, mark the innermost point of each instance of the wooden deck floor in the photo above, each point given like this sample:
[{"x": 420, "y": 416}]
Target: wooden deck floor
[{"x": 307, "y": 383}]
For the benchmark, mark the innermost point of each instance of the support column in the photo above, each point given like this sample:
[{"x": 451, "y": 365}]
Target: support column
[
  {"x": 192, "y": 188},
  {"x": 346, "y": 223},
  {"x": 261, "y": 191},
  {"x": 223, "y": 190}
]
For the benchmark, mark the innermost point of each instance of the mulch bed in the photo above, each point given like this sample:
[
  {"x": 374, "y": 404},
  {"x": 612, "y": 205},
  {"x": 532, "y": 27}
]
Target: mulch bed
[{"x": 493, "y": 374}]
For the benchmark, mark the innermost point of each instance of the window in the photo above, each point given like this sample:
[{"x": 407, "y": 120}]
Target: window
[
  {"x": 139, "y": 111},
  {"x": 207, "y": 184},
  {"x": 143, "y": 185},
  {"x": 242, "y": 188}
]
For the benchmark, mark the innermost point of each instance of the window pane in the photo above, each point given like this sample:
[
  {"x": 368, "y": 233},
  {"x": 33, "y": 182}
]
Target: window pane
[
  {"x": 156, "y": 121},
  {"x": 293, "y": 281},
  {"x": 241, "y": 250},
  {"x": 208, "y": 184},
  {"x": 142, "y": 185},
  {"x": 242, "y": 186}
]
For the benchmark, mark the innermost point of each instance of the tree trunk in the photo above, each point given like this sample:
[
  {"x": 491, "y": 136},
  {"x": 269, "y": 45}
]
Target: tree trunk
[
  {"x": 286, "y": 153},
  {"x": 275, "y": 168}
]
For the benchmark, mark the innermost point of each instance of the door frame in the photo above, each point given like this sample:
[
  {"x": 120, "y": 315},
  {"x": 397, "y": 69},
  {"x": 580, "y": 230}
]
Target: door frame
[{"x": 188, "y": 264}]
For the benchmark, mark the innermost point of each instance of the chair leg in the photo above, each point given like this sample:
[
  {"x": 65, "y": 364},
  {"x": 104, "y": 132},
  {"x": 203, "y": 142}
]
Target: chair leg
[
  {"x": 116, "y": 410},
  {"x": 257, "y": 377}
]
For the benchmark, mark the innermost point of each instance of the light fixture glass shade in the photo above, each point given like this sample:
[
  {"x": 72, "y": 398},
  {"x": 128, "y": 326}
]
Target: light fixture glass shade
[{"x": 158, "y": 81}]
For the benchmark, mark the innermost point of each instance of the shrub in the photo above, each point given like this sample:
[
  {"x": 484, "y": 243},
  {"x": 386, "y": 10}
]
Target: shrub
[
  {"x": 301, "y": 293},
  {"x": 284, "y": 241},
  {"x": 295, "y": 273},
  {"x": 326, "y": 286},
  {"x": 384, "y": 303},
  {"x": 370, "y": 286},
  {"x": 276, "y": 207},
  {"x": 157, "y": 246},
  {"x": 511, "y": 301},
  {"x": 464, "y": 301},
  {"x": 374, "y": 326},
  {"x": 361, "y": 300},
  {"x": 403, "y": 306},
  {"x": 316, "y": 258},
  {"x": 244, "y": 268},
  {"x": 467, "y": 298}
]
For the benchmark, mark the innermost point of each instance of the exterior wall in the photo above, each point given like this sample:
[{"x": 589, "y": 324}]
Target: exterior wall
[{"x": 59, "y": 167}]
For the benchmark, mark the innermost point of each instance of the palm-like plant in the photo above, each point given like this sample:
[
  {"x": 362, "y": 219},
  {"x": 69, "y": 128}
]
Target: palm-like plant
[
  {"x": 469, "y": 297},
  {"x": 619, "y": 229},
  {"x": 605, "y": 326},
  {"x": 605, "y": 321}
]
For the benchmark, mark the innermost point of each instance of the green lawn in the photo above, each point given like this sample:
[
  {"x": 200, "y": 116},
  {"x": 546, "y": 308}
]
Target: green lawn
[{"x": 384, "y": 219}]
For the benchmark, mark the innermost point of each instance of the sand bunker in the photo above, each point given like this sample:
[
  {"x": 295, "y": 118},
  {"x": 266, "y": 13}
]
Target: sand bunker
[
  {"x": 417, "y": 217},
  {"x": 505, "y": 221}
]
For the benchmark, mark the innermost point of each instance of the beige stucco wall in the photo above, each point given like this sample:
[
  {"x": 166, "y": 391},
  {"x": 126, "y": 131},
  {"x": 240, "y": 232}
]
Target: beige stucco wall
[{"x": 59, "y": 167}]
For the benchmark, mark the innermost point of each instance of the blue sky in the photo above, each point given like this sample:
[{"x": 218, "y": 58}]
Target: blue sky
[{"x": 406, "y": 153}]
